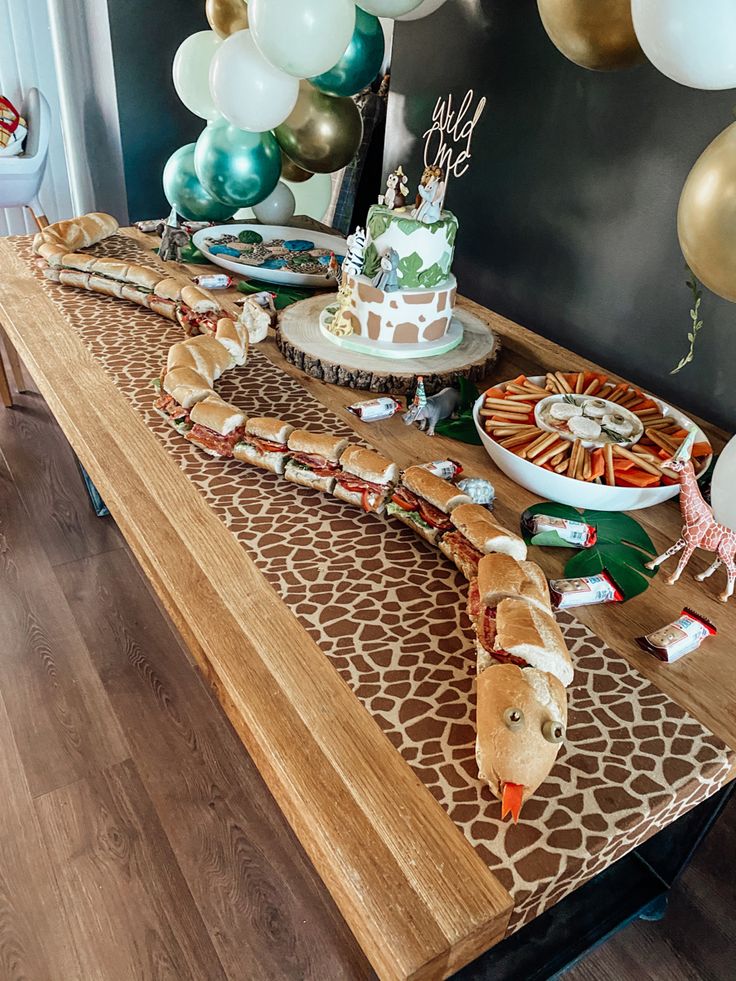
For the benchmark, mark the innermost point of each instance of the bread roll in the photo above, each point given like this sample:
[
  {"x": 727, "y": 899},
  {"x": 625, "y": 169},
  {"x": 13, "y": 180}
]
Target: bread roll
[
  {"x": 317, "y": 444},
  {"x": 439, "y": 492},
  {"x": 72, "y": 277},
  {"x": 426, "y": 532},
  {"x": 228, "y": 335},
  {"x": 164, "y": 308},
  {"x": 369, "y": 465},
  {"x": 213, "y": 358},
  {"x": 199, "y": 300},
  {"x": 487, "y": 535},
  {"x": 306, "y": 478},
  {"x": 169, "y": 288},
  {"x": 267, "y": 427},
  {"x": 108, "y": 287},
  {"x": 135, "y": 295},
  {"x": 186, "y": 386},
  {"x": 218, "y": 415},
  {"x": 532, "y": 634},
  {"x": 501, "y": 577},
  {"x": 182, "y": 356},
  {"x": 248, "y": 453}
]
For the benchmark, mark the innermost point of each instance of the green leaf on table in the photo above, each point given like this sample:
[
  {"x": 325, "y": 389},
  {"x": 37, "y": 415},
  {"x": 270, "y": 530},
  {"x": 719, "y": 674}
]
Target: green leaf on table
[
  {"x": 462, "y": 428},
  {"x": 621, "y": 549},
  {"x": 624, "y": 564}
]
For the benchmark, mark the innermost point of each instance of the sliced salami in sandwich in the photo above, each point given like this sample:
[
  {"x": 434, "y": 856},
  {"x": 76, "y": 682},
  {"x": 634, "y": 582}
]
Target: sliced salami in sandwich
[
  {"x": 264, "y": 443},
  {"x": 424, "y": 503},
  {"x": 216, "y": 426},
  {"x": 315, "y": 459},
  {"x": 365, "y": 479}
]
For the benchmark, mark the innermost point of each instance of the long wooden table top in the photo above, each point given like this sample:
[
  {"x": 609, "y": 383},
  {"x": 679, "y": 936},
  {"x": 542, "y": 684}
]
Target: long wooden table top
[{"x": 372, "y": 829}]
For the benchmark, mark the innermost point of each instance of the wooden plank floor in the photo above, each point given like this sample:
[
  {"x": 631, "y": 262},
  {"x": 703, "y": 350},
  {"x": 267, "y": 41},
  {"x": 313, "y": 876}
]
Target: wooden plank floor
[{"x": 137, "y": 839}]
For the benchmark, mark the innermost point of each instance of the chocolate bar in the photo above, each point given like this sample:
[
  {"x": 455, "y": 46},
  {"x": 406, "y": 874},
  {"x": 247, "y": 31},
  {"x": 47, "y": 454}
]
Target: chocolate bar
[
  {"x": 576, "y": 533},
  {"x": 681, "y": 637},
  {"x": 584, "y": 591}
]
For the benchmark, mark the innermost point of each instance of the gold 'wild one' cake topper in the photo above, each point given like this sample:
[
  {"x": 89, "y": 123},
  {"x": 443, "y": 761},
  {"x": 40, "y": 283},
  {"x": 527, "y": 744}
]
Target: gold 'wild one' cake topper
[{"x": 447, "y": 141}]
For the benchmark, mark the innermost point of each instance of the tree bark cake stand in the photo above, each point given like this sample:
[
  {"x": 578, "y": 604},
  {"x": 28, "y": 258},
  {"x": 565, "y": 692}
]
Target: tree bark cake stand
[{"x": 302, "y": 344}]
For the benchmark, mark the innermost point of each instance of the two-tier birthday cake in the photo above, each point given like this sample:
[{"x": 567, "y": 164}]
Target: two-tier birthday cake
[{"x": 397, "y": 291}]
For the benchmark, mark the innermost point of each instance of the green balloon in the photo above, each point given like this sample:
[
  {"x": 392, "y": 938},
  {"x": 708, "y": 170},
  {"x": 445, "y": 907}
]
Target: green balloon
[
  {"x": 184, "y": 192},
  {"x": 238, "y": 168},
  {"x": 323, "y": 132},
  {"x": 361, "y": 62}
]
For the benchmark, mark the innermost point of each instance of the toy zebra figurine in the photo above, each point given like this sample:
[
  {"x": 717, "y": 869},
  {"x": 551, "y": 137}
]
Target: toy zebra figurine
[{"x": 353, "y": 262}]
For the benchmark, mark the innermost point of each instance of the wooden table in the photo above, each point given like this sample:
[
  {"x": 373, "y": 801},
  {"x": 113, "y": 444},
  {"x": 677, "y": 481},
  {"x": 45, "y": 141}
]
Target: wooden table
[{"x": 418, "y": 898}]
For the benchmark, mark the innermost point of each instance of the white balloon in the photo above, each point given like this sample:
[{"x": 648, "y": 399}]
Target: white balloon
[
  {"x": 191, "y": 73},
  {"x": 302, "y": 37},
  {"x": 425, "y": 8},
  {"x": 389, "y": 8},
  {"x": 312, "y": 198},
  {"x": 692, "y": 42},
  {"x": 248, "y": 91},
  {"x": 277, "y": 208}
]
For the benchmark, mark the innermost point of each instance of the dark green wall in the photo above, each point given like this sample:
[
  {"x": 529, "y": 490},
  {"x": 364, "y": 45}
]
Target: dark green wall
[
  {"x": 568, "y": 213},
  {"x": 153, "y": 122}
]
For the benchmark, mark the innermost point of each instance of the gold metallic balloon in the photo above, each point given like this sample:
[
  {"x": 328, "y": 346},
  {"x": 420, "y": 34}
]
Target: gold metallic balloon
[
  {"x": 323, "y": 132},
  {"x": 597, "y": 34},
  {"x": 227, "y": 16},
  {"x": 706, "y": 216},
  {"x": 290, "y": 171}
]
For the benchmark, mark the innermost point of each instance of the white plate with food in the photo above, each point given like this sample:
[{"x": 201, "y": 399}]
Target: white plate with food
[
  {"x": 604, "y": 450},
  {"x": 273, "y": 253}
]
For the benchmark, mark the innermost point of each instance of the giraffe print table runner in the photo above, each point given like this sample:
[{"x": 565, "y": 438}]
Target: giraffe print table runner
[{"x": 387, "y": 609}]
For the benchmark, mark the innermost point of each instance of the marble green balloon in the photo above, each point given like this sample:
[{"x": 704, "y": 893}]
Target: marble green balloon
[
  {"x": 361, "y": 61},
  {"x": 238, "y": 168},
  {"x": 185, "y": 193}
]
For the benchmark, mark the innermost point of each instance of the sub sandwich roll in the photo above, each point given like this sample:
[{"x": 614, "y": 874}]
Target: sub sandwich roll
[
  {"x": 72, "y": 277},
  {"x": 264, "y": 443},
  {"x": 476, "y": 534},
  {"x": 216, "y": 426},
  {"x": 424, "y": 503},
  {"x": 315, "y": 459},
  {"x": 234, "y": 338},
  {"x": 500, "y": 577},
  {"x": 212, "y": 358},
  {"x": 72, "y": 234},
  {"x": 521, "y": 719},
  {"x": 177, "y": 391},
  {"x": 107, "y": 287},
  {"x": 515, "y": 632},
  {"x": 366, "y": 479}
]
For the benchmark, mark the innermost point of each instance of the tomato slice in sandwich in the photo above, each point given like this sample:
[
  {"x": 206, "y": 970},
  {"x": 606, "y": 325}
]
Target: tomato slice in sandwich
[
  {"x": 433, "y": 516},
  {"x": 405, "y": 499}
]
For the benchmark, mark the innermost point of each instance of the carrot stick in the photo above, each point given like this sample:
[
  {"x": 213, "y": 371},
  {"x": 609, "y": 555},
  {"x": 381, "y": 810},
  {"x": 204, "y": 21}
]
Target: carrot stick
[{"x": 598, "y": 465}]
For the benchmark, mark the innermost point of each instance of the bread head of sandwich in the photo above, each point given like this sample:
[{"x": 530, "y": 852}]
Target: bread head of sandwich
[
  {"x": 478, "y": 526},
  {"x": 315, "y": 457},
  {"x": 366, "y": 478},
  {"x": 186, "y": 386},
  {"x": 264, "y": 443},
  {"x": 527, "y": 632},
  {"x": 182, "y": 356},
  {"x": 500, "y": 577},
  {"x": 168, "y": 289},
  {"x": 521, "y": 718},
  {"x": 229, "y": 335}
]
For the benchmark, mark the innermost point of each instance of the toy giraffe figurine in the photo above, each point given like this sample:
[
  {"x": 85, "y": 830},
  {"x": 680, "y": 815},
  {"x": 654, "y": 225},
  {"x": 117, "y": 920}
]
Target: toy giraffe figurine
[{"x": 701, "y": 530}]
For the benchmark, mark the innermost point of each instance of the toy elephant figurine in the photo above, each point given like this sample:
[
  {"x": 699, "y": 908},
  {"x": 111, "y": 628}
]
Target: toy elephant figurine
[{"x": 428, "y": 412}]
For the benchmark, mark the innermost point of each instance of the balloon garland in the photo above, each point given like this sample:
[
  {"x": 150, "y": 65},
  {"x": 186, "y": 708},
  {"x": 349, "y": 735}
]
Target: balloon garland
[{"x": 274, "y": 80}]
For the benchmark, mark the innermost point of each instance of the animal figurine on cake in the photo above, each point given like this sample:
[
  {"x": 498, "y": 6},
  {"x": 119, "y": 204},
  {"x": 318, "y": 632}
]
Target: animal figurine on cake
[
  {"x": 701, "y": 530},
  {"x": 352, "y": 264},
  {"x": 430, "y": 196},
  {"x": 397, "y": 191},
  {"x": 427, "y": 412},
  {"x": 387, "y": 277}
]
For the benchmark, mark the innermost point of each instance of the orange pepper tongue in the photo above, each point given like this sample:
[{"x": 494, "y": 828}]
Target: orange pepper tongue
[{"x": 511, "y": 800}]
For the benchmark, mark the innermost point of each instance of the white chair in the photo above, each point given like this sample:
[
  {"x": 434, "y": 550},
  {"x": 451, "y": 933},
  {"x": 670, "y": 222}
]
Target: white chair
[{"x": 20, "y": 181}]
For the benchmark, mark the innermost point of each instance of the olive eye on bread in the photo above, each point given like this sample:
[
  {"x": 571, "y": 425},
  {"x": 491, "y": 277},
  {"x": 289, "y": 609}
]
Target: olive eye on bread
[
  {"x": 553, "y": 732},
  {"x": 513, "y": 719}
]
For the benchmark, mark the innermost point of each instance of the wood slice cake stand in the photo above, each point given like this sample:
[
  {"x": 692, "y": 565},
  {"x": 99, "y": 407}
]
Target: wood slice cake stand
[{"x": 302, "y": 344}]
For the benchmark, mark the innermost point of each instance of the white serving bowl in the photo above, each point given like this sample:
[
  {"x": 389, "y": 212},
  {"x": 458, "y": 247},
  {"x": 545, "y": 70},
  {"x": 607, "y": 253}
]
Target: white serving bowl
[
  {"x": 278, "y": 276},
  {"x": 579, "y": 493}
]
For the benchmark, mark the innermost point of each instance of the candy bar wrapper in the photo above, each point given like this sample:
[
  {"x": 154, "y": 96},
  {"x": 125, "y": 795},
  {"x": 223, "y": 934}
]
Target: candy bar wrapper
[
  {"x": 13, "y": 129},
  {"x": 575, "y": 533},
  {"x": 446, "y": 469},
  {"x": 585, "y": 591},
  {"x": 672, "y": 642},
  {"x": 213, "y": 281},
  {"x": 373, "y": 410}
]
